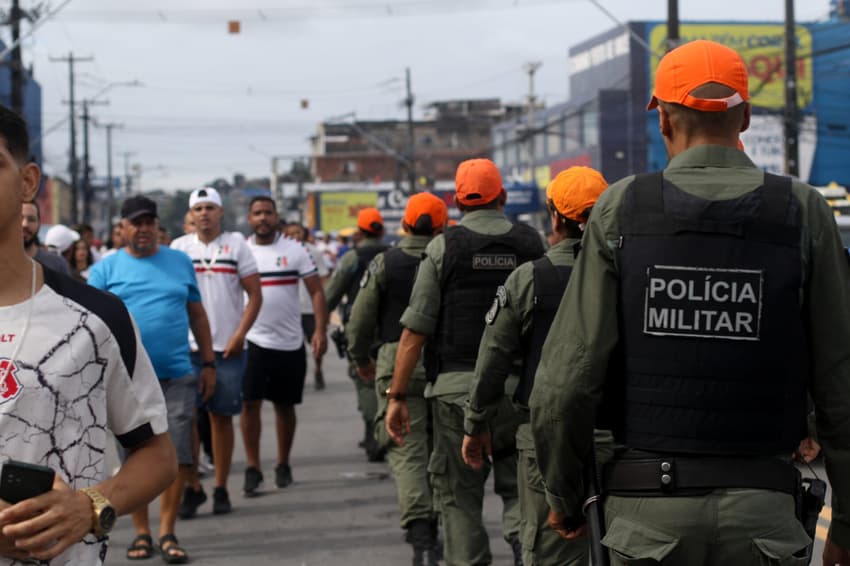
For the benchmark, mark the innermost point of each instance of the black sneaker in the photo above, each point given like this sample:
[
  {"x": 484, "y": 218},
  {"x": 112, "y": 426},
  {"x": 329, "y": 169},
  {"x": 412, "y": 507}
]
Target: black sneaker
[
  {"x": 253, "y": 480},
  {"x": 221, "y": 501},
  {"x": 191, "y": 501},
  {"x": 282, "y": 475}
]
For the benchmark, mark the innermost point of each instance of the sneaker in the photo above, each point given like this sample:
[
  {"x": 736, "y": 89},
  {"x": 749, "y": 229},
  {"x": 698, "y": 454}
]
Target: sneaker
[
  {"x": 221, "y": 501},
  {"x": 205, "y": 466},
  {"x": 320, "y": 380},
  {"x": 282, "y": 475},
  {"x": 253, "y": 480},
  {"x": 191, "y": 501}
]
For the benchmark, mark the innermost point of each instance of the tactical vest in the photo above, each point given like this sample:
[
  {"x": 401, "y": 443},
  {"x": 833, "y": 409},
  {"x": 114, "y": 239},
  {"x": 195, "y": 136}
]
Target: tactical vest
[
  {"x": 399, "y": 275},
  {"x": 474, "y": 265},
  {"x": 550, "y": 281},
  {"x": 365, "y": 255},
  {"x": 715, "y": 353}
]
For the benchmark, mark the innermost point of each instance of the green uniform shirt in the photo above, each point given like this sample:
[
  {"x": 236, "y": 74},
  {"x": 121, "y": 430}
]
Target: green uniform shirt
[
  {"x": 422, "y": 314},
  {"x": 502, "y": 341},
  {"x": 343, "y": 276},
  {"x": 570, "y": 377},
  {"x": 366, "y": 313}
]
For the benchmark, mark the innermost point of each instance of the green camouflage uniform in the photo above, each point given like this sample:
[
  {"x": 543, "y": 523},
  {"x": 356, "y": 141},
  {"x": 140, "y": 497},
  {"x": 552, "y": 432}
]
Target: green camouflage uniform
[
  {"x": 727, "y": 526},
  {"x": 458, "y": 489},
  {"x": 409, "y": 463},
  {"x": 501, "y": 345},
  {"x": 337, "y": 287}
]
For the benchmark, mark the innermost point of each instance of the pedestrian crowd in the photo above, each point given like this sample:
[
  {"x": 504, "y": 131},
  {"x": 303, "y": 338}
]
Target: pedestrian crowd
[{"x": 639, "y": 390}]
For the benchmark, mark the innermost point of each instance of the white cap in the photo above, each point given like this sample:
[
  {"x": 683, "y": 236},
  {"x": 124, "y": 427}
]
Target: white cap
[
  {"x": 207, "y": 194},
  {"x": 60, "y": 238},
  {"x": 319, "y": 234}
]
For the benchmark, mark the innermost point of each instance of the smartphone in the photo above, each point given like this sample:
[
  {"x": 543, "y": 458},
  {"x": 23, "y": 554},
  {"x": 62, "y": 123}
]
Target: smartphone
[{"x": 20, "y": 480}]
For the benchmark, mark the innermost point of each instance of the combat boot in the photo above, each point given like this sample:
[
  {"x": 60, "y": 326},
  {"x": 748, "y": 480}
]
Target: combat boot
[{"x": 420, "y": 537}]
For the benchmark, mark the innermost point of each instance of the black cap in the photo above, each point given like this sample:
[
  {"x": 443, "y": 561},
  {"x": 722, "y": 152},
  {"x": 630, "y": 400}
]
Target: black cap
[{"x": 137, "y": 206}]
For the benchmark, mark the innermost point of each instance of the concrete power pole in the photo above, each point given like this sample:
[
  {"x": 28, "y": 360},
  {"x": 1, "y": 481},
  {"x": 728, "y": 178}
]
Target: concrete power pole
[
  {"x": 111, "y": 187},
  {"x": 792, "y": 118},
  {"x": 73, "y": 166},
  {"x": 531, "y": 68},
  {"x": 672, "y": 24},
  {"x": 411, "y": 140},
  {"x": 87, "y": 189}
]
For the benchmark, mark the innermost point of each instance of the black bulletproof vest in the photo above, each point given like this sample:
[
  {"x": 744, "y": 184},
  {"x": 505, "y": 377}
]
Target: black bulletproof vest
[
  {"x": 474, "y": 265},
  {"x": 550, "y": 281},
  {"x": 715, "y": 355},
  {"x": 365, "y": 255},
  {"x": 399, "y": 274}
]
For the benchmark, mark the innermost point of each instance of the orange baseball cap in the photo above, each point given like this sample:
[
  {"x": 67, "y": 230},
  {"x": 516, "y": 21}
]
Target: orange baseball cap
[
  {"x": 422, "y": 204},
  {"x": 574, "y": 191},
  {"x": 370, "y": 220},
  {"x": 477, "y": 181},
  {"x": 695, "y": 64}
]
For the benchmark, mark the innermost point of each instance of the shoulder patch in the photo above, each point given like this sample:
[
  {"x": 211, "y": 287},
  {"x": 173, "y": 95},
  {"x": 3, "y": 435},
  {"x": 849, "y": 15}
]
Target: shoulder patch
[
  {"x": 491, "y": 315},
  {"x": 502, "y": 296},
  {"x": 373, "y": 267}
]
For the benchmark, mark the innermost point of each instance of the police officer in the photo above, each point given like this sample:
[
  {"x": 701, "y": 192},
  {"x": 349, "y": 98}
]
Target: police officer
[
  {"x": 707, "y": 299},
  {"x": 345, "y": 282},
  {"x": 517, "y": 325},
  {"x": 384, "y": 294},
  {"x": 457, "y": 278}
]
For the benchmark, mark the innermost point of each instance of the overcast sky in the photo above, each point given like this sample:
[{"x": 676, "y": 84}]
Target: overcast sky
[{"x": 213, "y": 104}]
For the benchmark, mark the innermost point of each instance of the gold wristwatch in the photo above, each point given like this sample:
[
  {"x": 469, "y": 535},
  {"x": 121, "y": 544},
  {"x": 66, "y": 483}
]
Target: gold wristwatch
[{"x": 104, "y": 516}]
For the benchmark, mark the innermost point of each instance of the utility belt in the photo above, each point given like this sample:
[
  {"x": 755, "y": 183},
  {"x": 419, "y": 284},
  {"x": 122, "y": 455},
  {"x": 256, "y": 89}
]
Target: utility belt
[{"x": 690, "y": 475}]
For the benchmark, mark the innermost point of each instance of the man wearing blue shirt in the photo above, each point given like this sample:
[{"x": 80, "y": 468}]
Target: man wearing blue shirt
[{"x": 158, "y": 286}]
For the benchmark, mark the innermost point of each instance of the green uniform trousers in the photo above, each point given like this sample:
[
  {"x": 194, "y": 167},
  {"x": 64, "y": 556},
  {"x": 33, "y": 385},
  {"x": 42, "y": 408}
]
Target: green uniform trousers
[
  {"x": 367, "y": 403},
  {"x": 409, "y": 463},
  {"x": 459, "y": 490},
  {"x": 740, "y": 527},
  {"x": 540, "y": 544}
]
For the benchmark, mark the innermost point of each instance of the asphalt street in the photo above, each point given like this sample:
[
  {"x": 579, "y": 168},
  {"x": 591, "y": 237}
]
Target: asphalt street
[{"x": 341, "y": 510}]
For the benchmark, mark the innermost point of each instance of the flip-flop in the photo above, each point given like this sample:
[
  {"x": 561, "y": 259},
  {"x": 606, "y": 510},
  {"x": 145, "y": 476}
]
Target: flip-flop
[
  {"x": 143, "y": 545},
  {"x": 173, "y": 553}
]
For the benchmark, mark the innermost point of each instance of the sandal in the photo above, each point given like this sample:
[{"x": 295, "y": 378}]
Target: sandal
[
  {"x": 172, "y": 553},
  {"x": 141, "y": 548}
]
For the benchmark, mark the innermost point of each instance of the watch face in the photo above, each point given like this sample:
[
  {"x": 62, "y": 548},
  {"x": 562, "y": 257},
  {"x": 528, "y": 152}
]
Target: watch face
[{"x": 107, "y": 518}]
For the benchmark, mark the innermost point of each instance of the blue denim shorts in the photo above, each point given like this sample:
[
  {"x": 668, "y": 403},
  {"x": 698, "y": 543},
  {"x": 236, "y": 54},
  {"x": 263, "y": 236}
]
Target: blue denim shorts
[{"x": 227, "y": 399}]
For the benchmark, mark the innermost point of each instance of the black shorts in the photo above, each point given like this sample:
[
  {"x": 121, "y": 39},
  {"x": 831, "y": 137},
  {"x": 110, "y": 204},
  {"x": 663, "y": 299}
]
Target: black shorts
[
  {"x": 308, "y": 324},
  {"x": 275, "y": 375}
]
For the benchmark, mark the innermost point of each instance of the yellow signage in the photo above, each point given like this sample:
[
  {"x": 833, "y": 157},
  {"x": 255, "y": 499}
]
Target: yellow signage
[
  {"x": 762, "y": 47},
  {"x": 339, "y": 210}
]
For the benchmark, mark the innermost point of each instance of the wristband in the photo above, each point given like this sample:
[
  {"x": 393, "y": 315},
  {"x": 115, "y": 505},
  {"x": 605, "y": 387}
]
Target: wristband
[
  {"x": 210, "y": 364},
  {"x": 396, "y": 396}
]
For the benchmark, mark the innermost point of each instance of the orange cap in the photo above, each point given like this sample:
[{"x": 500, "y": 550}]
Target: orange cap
[
  {"x": 695, "y": 64},
  {"x": 574, "y": 192},
  {"x": 369, "y": 220},
  {"x": 477, "y": 181},
  {"x": 422, "y": 204}
]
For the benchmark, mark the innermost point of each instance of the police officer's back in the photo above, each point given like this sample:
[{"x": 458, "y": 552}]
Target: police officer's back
[{"x": 706, "y": 299}]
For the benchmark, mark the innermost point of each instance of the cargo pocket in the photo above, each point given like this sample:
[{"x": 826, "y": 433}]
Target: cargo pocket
[
  {"x": 786, "y": 548},
  {"x": 437, "y": 464},
  {"x": 634, "y": 543}
]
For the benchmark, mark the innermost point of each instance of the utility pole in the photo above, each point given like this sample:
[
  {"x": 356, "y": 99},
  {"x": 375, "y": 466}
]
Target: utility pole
[
  {"x": 111, "y": 187},
  {"x": 87, "y": 190},
  {"x": 792, "y": 118},
  {"x": 411, "y": 140},
  {"x": 17, "y": 64},
  {"x": 531, "y": 68},
  {"x": 73, "y": 166},
  {"x": 128, "y": 179},
  {"x": 672, "y": 24}
]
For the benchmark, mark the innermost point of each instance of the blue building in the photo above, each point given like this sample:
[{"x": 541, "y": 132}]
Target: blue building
[
  {"x": 32, "y": 104},
  {"x": 605, "y": 123}
]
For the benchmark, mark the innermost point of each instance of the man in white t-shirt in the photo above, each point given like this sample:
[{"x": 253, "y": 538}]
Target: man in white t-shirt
[
  {"x": 308, "y": 320},
  {"x": 277, "y": 361},
  {"x": 72, "y": 367},
  {"x": 226, "y": 272}
]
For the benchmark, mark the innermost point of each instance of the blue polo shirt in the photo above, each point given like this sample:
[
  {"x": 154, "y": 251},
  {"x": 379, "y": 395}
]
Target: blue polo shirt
[{"x": 156, "y": 290}]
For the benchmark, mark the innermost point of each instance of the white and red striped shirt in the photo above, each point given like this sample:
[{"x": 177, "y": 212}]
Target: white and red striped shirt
[
  {"x": 220, "y": 267},
  {"x": 281, "y": 265}
]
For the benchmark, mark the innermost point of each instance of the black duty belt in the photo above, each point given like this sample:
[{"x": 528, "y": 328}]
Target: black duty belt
[
  {"x": 449, "y": 365},
  {"x": 681, "y": 475}
]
